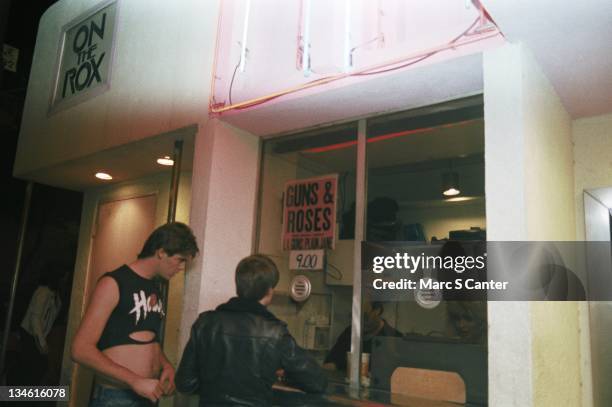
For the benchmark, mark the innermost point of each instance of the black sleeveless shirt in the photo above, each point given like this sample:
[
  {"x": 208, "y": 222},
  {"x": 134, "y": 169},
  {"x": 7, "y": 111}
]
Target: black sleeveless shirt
[{"x": 139, "y": 309}]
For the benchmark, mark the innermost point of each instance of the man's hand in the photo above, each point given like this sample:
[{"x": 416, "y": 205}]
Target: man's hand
[
  {"x": 148, "y": 388},
  {"x": 167, "y": 379}
]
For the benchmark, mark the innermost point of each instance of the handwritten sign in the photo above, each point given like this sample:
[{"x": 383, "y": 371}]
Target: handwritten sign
[
  {"x": 306, "y": 260},
  {"x": 309, "y": 216}
]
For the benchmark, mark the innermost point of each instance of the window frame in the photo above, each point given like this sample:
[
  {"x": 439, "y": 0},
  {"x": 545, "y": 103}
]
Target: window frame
[{"x": 461, "y": 108}]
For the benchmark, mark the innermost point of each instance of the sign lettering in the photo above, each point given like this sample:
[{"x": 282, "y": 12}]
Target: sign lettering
[
  {"x": 309, "y": 217},
  {"x": 85, "y": 54}
]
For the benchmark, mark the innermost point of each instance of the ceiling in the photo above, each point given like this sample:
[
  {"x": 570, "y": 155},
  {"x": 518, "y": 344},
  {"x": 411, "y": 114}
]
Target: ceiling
[
  {"x": 571, "y": 40},
  {"x": 441, "y": 143},
  {"x": 414, "y": 159},
  {"x": 127, "y": 162},
  {"x": 409, "y": 168},
  {"x": 397, "y": 91}
]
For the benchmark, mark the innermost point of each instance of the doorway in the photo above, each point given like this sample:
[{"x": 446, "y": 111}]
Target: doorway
[
  {"x": 598, "y": 228},
  {"x": 121, "y": 227}
]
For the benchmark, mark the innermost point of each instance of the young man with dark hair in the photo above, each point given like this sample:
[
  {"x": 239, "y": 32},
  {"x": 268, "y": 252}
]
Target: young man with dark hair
[
  {"x": 373, "y": 325},
  {"x": 234, "y": 351},
  {"x": 119, "y": 333}
]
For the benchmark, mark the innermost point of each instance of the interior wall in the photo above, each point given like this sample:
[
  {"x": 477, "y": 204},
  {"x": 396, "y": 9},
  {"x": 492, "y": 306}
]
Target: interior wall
[
  {"x": 438, "y": 221},
  {"x": 277, "y": 170},
  {"x": 535, "y": 348},
  {"x": 420, "y": 198},
  {"x": 79, "y": 377}
]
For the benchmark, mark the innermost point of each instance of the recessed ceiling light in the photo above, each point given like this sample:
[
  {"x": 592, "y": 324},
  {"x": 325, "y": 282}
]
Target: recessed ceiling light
[
  {"x": 165, "y": 161},
  {"x": 460, "y": 199},
  {"x": 451, "y": 192},
  {"x": 104, "y": 176}
]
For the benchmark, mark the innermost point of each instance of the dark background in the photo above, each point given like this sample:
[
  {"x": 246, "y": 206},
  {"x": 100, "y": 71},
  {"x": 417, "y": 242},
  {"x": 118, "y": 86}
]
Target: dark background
[{"x": 54, "y": 217}]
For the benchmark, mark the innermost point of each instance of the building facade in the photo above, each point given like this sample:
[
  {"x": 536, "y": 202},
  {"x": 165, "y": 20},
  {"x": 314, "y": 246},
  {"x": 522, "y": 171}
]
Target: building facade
[{"x": 263, "y": 92}]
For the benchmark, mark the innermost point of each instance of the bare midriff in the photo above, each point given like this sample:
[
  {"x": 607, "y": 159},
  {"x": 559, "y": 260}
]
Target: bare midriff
[{"x": 142, "y": 359}]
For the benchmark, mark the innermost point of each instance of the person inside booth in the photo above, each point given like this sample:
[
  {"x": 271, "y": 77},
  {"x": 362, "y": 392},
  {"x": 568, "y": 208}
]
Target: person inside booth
[
  {"x": 467, "y": 321},
  {"x": 373, "y": 325}
]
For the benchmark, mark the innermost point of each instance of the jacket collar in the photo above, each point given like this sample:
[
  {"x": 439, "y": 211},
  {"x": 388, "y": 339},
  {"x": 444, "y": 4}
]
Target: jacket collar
[{"x": 237, "y": 304}]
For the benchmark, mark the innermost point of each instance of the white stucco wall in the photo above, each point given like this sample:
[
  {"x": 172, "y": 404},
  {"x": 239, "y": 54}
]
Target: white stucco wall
[
  {"x": 223, "y": 206},
  {"x": 440, "y": 221},
  {"x": 160, "y": 80},
  {"x": 509, "y": 357},
  {"x": 377, "y": 32},
  {"x": 534, "y": 348},
  {"x": 557, "y": 341}
]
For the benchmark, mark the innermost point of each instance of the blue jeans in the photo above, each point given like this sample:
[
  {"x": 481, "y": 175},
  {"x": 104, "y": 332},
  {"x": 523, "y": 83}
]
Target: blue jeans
[{"x": 110, "y": 397}]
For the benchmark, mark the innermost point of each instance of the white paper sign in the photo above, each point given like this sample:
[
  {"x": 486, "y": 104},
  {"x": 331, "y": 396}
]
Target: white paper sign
[{"x": 306, "y": 259}]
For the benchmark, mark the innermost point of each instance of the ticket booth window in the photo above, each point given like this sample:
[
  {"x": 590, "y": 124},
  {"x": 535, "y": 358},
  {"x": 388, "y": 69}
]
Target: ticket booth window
[
  {"x": 389, "y": 175},
  {"x": 304, "y": 178},
  {"x": 425, "y": 193}
]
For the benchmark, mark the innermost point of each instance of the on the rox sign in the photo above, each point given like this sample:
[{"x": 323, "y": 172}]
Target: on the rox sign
[{"x": 85, "y": 54}]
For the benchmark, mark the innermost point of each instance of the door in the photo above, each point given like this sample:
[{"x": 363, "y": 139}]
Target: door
[
  {"x": 597, "y": 229},
  {"x": 121, "y": 228}
]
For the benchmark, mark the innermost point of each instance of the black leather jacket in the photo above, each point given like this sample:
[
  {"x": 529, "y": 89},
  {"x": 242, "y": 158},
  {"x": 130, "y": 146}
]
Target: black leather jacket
[{"x": 233, "y": 354}]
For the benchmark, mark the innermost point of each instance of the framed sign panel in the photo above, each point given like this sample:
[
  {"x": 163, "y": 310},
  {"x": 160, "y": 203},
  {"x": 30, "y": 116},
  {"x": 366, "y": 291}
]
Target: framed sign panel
[{"x": 85, "y": 56}]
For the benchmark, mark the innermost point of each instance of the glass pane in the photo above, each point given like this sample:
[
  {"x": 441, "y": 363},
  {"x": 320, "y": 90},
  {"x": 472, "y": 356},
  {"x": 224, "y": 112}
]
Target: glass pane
[
  {"x": 425, "y": 188},
  {"x": 291, "y": 165}
]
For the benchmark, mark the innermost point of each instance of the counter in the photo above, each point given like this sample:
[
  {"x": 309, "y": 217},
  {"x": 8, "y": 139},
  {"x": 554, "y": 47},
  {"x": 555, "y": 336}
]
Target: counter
[{"x": 342, "y": 395}]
